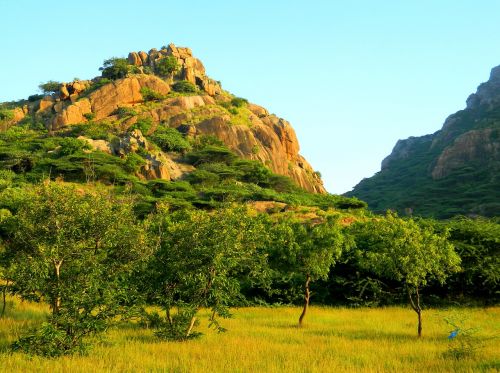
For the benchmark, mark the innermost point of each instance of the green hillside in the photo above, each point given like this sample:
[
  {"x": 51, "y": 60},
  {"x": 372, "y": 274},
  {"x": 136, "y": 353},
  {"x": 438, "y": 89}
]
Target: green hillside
[{"x": 453, "y": 171}]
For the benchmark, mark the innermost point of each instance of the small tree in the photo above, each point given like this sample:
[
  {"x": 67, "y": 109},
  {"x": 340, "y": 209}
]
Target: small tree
[
  {"x": 403, "y": 251},
  {"x": 184, "y": 86},
  {"x": 73, "y": 248},
  {"x": 198, "y": 261},
  {"x": 115, "y": 68},
  {"x": 167, "y": 66},
  {"x": 50, "y": 87},
  {"x": 305, "y": 251}
]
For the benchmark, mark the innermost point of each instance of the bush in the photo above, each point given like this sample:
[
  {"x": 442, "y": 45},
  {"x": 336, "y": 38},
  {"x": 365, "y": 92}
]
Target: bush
[
  {"x": 124, "y": 112},
  {"x": 149, "y": 95},
  {"x": 115, "y": 68},
  {"x": 170, "y": 140},
  {"x": 184, "y": 87},
  {"x": 70, "y": 145},
  {"x": 143, "y": 125},
  {"x": 239, "y": 102},
  {"x": 167, "y": 66},
  {"x": 6, "y": 114},
  {"x": 34, "y": 98},
  {"x": 50, "y": 87},
  {"x": 133, "y": 162},
  {"x": 89, "y": 116}
]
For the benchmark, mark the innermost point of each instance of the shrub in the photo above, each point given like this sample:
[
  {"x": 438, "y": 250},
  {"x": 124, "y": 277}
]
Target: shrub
[
  {"x": 167, "y": 66},
  {"x": 124, "y": 112},
  {"x": 239, "y": 102},
  {"x": 184, "y": 87},
  {"x": 143, "y": 125},
  {"x": 169, "y": 139},
  {"x": 115, "y": 68},
  {"x": 50, "y": 87},
  {"x": 133, "y": 162},
  {"x": 6, "y": 114},
  {"x": 70, "y": 145},
  {"x": 89, "y": 116},
  {"x": 149, "y": 95},
  {"x": 34, "y": 98}
]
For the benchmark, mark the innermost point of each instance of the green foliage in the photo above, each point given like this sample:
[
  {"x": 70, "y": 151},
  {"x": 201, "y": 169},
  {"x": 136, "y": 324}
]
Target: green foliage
[
  {"x": 116, "y": 68},
  {"x": 70, "y": 145},
  {"x": 197, "y": 263},
  {"x": 462, "y": 341},
  {"x": 34, "y": 98},
  {"x": 150, "y": 95},
  {"x": 184, "y": 86},
  {"x": 239, "y": 102},
  {"x": 143, "y": 125},
  {"x": 73, "y": 248},
  {"x": 125, "y": 112},
  {"x": 133, "y": 162},
  {"x": 89, "y": 116},
  {"x": 170, "y": 140},
  {"x": 403, "y": 251},
  {"x": 6, "y": 114},
  {"x": 50, "y": 87},
  {"x": 477, "y": 241},
  {"x": 167, "y": 66}
]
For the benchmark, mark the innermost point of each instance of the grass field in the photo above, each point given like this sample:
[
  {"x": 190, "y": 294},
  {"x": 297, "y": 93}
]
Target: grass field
[{"x": 267, "y": 340}]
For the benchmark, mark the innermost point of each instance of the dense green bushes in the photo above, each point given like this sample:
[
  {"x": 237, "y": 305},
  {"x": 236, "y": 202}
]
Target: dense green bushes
[{"x": 184, "y": 86}]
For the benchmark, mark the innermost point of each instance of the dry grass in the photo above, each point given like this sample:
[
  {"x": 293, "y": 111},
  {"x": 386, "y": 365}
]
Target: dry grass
[{"x": 267, "y": 340}]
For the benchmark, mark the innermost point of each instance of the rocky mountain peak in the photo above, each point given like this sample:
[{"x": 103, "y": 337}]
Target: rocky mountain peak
[
  {"x": 142, "y": 93},
  {"x": 488, "y": 93}
]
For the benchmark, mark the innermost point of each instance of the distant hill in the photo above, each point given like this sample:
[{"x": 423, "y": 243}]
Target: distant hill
[{"x": 455, "y": 170}]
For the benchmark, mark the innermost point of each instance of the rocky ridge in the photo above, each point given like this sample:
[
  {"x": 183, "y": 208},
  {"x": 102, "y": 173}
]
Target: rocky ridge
[{"x": 252, "y": 132}]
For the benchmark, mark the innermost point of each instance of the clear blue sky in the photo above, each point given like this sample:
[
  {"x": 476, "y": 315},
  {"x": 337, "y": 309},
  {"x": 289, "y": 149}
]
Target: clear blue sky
[{"x": 352, "y": 77}]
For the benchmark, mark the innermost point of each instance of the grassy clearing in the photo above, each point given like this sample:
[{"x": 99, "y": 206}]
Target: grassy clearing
[{"x": 267, "y": 340}]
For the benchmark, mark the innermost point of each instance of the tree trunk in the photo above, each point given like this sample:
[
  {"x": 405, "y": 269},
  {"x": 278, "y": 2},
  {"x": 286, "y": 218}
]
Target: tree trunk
[
  {"x": 191, "y": 326},
  {"x": 307, "y": 296},
  {"x": 416, "y": 307},
  {"x": 4, "y": 296},
  {"x": 56, "y": 305}
]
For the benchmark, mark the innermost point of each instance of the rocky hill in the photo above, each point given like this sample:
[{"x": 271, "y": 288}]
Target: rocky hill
[
  {"x": 453, "y": 171},
  {"x": 169, "y": 88}
]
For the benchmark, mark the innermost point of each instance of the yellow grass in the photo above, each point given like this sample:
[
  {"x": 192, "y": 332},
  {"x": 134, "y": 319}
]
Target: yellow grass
[{"x": 267, "y": 340}]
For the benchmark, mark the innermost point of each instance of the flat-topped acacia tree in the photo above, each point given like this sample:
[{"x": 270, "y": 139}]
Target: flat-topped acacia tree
[{"x": 401, "y": 250}]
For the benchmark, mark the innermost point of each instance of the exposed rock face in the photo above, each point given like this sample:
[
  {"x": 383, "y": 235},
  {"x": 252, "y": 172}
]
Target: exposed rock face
[
  {"x": 456, "y": 168},
  {"x": 473, "y": 146},
  {"x": 104, "y": 101},
  {"x": 258, "y": 135},
  {"x": 191, "y": 68}
]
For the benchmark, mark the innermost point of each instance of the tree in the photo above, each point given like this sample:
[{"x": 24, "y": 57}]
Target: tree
[
  {"x": 167, "y": 66},
  {"x": 50, "y": 87},
  {"x": 304, "y": 251},
  {"x": 477, "y": 241},
  {"x": 402, "y": 250},
  {"x": 184, "y": 86},
  {"x": 115, "y": 68},
  {"x": 74, "y": 248},
  {"x": 199, "y": 258}
]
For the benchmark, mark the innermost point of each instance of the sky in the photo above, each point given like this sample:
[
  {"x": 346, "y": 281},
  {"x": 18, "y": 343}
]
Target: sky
[{"x": 352, "y": 77}]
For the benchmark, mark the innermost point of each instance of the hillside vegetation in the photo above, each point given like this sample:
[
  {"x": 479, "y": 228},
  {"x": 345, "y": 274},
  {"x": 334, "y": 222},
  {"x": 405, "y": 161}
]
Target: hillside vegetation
[
  {"x": 151, "y": 200},
  {"x": 453, "y": 171}
]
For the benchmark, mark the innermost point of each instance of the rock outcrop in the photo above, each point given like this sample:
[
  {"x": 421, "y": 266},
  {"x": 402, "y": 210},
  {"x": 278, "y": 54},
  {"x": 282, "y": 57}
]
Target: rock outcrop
[{"x": 249, "y": 130}]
